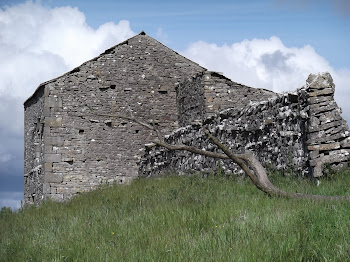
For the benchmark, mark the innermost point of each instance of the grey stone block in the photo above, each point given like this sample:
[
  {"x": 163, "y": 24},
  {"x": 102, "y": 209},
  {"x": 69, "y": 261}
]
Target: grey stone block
[
  {"x": 53, "y": 177},
  {"x": 53, "y": 158}
]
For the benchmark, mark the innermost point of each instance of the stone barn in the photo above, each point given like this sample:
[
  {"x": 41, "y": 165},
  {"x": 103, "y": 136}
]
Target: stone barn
[{"x": 70, "y": 147}]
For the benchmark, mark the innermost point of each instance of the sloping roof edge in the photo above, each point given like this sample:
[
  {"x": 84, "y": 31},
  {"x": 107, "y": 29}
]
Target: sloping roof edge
[{"x": 95, "y": 58}]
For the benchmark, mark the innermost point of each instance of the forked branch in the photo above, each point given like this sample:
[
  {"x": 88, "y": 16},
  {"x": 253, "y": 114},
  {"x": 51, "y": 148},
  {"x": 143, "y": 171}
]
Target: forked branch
[{"x": 247, "y": 161}]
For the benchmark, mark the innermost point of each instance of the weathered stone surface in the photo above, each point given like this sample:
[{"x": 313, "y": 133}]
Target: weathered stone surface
[
  {"x": 48, "y": 167},
  {"x": 345, "y": 143},
  {"x": 53, "y": 102},
  {"x": 276, "y": 130},
  {"x": 53, "y": 158},
  {"x": 319, "y": 81},
  {"x": 326, "y": 91},
  {"x": 136, "y": 78},
  {"x": 53, "y": 121},
  {"x": 51, "y": 177},
  {"x": 323, "y": 147},
  {"x": 67, "y": 139}
]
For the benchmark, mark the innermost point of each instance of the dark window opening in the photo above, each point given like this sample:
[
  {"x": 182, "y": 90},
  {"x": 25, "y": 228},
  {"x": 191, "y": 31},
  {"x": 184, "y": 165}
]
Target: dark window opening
[
  {"x": 103, "y": 88},
  {"x": 69, "y": 162},
  {"x": 81, "y": 131},
  {"x": 108, "y": 123},
  {"x": 293, "y": 98},
  {"x": 113, "y": 86},
  {"x": 163, "y": 92},
  {"x": 123, "y": 123},
  {"x": 137, "y": 131}
]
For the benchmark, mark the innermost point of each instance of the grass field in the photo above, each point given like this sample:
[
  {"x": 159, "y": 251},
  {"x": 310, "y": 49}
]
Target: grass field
[{"x": 180, "y": 218}]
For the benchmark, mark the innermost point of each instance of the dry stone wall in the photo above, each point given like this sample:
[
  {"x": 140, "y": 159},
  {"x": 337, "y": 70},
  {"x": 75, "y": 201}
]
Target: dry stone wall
[
  {"x": 291, "y": 132},
  {"x": 328, "y": 133},
  {"x": 73, "y": 142}
]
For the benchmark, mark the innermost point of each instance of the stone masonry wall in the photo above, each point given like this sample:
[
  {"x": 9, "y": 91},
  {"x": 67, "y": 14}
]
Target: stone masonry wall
[
  {"x": 190, "y": 100},
  {"x": 221, "y": 93},
  {"x": 289, "y": 132},
  {"x": 34, "y": 148},
  {"x": 73, "y": 142},
  {"x": 82, "y": 146},
  {"x": 328, "y": 133},
  {"x": 82, "y": 149},
  {"x": 209, "y": 92}
]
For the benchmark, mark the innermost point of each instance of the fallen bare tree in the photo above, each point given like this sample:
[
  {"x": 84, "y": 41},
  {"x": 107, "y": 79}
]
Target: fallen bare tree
[{"x": 247, "y": 161}]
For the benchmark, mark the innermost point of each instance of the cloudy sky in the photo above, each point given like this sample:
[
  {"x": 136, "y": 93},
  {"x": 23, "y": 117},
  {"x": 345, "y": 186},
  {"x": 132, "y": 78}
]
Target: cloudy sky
[{"x": 273, "y": 44}]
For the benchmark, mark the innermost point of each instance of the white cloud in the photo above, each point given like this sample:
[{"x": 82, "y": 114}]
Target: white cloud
[
  {"x": 268, "y": 63},
  {"x": 38, "y": 43}
]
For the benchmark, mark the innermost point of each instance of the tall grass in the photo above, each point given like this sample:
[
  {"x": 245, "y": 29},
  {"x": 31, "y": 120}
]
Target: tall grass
[{"x": 179, "y": 218}]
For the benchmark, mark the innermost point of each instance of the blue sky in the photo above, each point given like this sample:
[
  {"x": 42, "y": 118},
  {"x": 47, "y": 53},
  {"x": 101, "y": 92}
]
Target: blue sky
[
  {"x": 319, "y": 23},
  {"x": 271, "y": 44}
]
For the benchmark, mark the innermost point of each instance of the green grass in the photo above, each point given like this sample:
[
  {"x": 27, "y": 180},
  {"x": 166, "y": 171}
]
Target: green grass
[{"x": 179, "y": 218}]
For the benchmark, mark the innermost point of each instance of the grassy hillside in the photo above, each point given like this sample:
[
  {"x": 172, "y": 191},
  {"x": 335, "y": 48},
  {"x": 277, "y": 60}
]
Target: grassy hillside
[{"x": 184, "y": 219}]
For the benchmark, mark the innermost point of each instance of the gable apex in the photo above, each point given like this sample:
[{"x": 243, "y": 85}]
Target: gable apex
[{"x": 138, "y": 39}]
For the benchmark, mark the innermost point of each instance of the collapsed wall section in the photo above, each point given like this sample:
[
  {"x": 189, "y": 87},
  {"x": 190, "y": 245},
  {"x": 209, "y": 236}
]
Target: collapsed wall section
[
  {"x": 221, "y": 93},
  {"x": 291, "y": 132},
  {"x": 210, "y": 92}
]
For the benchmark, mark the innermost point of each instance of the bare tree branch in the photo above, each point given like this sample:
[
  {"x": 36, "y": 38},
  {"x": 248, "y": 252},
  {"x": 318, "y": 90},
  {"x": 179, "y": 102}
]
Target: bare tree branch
[{"x": 247, "y": 161}]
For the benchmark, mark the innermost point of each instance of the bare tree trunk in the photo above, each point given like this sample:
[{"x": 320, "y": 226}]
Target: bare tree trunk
[
  {"x": 247, "y": 161},
  {"x": 259, "y": 176}
]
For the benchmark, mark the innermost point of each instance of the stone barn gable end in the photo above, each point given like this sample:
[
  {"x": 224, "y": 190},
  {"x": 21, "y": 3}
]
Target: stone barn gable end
[{"x": 70, "y": 148}]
